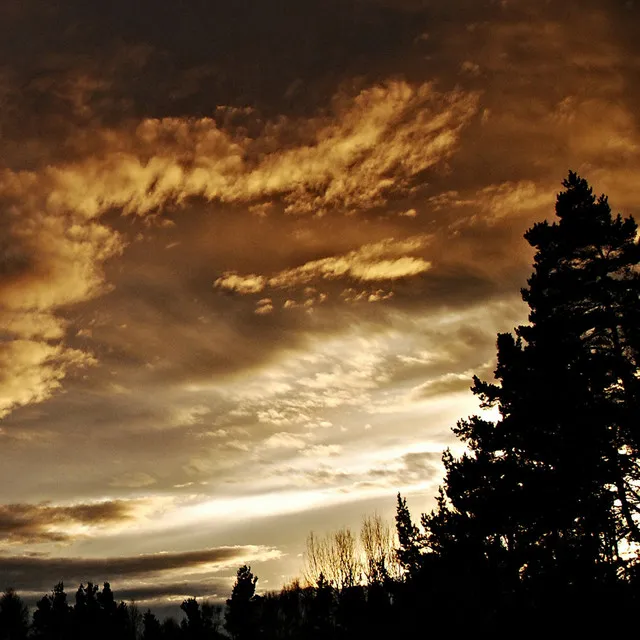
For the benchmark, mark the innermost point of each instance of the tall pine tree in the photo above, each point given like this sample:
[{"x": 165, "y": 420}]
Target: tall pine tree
[{"x": 550, "y": 491}]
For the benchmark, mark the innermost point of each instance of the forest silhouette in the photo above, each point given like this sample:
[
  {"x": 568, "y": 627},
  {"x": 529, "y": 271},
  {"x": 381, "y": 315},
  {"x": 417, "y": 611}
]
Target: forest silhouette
[{"x": 535, "y": 528}]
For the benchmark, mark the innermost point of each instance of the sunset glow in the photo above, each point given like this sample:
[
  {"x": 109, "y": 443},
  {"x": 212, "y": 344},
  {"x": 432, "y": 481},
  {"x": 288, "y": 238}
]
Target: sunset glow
[{"x": 252, "y": 254}]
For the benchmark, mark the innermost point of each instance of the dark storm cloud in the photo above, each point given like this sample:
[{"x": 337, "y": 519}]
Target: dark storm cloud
[
  {"x": 39, "y": 572},
  {"x": 81, "y": 64},
  {"x": 165, "y": 59},
  {"x": 29, "y": 523}
]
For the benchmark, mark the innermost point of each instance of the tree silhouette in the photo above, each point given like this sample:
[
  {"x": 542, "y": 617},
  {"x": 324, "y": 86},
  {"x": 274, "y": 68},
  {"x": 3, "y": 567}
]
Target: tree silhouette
[
  {"x": 408, "y": 552},
  {"x": 321, "y": 610},
  {"x": 192, "y": 625},
  {"x": 171, "y": 629},
  {"x": 52, "y": 617},
  {"x": 151, "y": 628},
  {"x": 378, "y": 550},
  {"x": 14, "y": 616},
  {"x": 336, "y": 557},
  {"x": 241, "y": 616},
  {"x": 548, "y": 493}
]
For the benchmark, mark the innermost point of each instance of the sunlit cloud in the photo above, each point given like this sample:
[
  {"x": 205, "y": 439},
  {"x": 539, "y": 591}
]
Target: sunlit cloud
[
  {"x": 382, "y": 261},
  {"x": 283, "y": 440},
  {"x": 322, "y": 450},
  {"x": 32, "y": 371},
  {"x": 390, "y": 130},
  {"x": 373, "y": 145}
]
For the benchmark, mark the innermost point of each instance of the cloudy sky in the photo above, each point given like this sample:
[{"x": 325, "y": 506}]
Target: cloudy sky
[{"x": 252, "y": 252}]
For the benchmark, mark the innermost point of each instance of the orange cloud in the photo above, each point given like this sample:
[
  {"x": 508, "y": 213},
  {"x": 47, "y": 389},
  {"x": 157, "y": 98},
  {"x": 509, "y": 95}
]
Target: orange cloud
[
  {"x": 375, "y": 262},
  {"x": 31, "y": 371},
  {"x": 372, "y": 144}
]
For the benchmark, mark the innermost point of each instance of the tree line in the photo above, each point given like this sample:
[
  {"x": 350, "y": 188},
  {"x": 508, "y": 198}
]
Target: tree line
[{"x": 536, "y": 526}]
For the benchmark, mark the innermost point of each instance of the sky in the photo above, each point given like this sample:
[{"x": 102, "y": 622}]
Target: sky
[{"x": 252, "y": 253}]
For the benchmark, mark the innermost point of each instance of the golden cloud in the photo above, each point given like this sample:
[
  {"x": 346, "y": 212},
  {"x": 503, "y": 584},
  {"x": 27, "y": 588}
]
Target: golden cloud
[
  {"x": 250, "y": 283},
  {"x": 378, "y": 142},
  {"x": 374, "y": 143},
  {"x": 380, "y": 261},
  {"x": 31, "y": 371},
  {"x": 48, "y": 261},
  {"x": 322, "y": 451},
  {"x": 371, "y": 144},
  {"x": 284, "y": 440}
]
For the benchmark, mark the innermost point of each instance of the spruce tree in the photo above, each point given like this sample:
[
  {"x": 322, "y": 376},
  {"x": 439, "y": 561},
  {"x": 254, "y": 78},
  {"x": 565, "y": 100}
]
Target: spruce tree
[
  {"x": 242, "y": 615},
  {"x": 408, "y": 552}
]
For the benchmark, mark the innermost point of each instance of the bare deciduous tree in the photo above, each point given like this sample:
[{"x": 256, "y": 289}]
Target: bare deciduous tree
[
  {"x": 344, "y": 560},
  {"x": 378, "y": 549},
  {"x": 336, "y": 558}
]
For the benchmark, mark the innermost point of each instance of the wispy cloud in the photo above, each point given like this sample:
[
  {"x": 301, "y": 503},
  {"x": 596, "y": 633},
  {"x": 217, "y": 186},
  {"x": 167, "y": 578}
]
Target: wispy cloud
[{"x": 387, "y": 260}]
